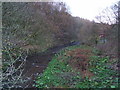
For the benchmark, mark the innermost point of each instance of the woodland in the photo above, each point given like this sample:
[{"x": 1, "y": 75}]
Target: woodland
[{"x": 44, "y": 46}]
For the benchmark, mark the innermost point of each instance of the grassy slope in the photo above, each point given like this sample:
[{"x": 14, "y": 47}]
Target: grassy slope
[{"x": 78, "y": 67}]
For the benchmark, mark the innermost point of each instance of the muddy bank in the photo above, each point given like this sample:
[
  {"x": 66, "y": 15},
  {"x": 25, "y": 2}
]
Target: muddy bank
[{"x": 37, "y": 63}]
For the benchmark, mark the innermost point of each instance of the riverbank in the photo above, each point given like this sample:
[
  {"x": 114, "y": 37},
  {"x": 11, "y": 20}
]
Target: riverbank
[
  {"x": 78, "y": 67},
  {"x": 36, "y": 63}
]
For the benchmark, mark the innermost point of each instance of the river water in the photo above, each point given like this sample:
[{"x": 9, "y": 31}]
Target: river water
[{"x": 37, "y": 63}]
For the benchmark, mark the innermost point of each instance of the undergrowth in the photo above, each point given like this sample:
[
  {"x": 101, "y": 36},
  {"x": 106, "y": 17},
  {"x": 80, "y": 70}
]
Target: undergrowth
[{"x": 66, "y": 70}]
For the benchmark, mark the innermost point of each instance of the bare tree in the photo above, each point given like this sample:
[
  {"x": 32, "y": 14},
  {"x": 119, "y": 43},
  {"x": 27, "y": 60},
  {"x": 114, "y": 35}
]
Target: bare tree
[{"x": 109, "y": 18}]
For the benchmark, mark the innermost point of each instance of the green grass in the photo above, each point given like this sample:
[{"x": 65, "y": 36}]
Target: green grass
[{"x": 60, "y": 74}]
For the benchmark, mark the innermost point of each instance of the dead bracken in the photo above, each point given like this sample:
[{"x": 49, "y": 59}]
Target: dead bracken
[{"x": 80, "y": 61}]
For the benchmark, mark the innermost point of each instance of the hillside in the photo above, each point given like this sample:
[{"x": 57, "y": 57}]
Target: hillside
[
  {"x": 45, "y": 46},
  {"x": 78, "y": 67}
]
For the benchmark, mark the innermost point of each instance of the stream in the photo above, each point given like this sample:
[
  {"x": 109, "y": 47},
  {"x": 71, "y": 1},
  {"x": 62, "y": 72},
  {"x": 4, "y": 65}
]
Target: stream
[{"x": 37, "y": 63}]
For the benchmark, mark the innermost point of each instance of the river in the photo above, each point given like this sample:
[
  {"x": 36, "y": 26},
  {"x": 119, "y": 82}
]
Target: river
[{"x": 37, "y": 63}]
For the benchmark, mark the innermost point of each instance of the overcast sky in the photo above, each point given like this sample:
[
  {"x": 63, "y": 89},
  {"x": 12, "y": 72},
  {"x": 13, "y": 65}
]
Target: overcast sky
[{"x": 88, "y": 9}]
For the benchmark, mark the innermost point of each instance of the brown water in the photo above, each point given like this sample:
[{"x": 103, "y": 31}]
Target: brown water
[{"x": 35, "y": 64}]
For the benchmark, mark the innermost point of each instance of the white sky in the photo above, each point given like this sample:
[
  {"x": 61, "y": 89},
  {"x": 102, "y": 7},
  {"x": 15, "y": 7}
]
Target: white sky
[{"x": 88, "y": 9}]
